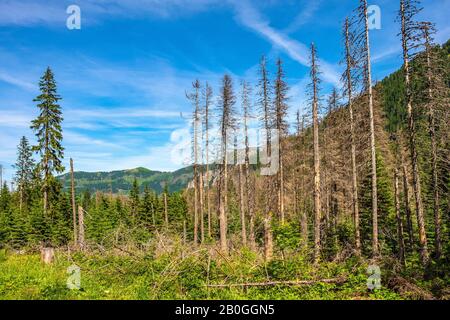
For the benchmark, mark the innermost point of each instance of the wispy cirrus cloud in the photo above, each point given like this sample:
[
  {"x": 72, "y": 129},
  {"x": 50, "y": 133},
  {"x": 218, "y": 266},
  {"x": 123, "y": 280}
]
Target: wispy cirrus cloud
[
  {"x": 308, "y": 12},
  {"x": 249, "y": 16},
  {"x": 53, "y": 12},
  {"x": 16, "y": 81}
]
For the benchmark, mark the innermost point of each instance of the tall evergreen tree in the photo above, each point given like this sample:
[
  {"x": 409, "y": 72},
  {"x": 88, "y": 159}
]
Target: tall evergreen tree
[
  {"x": 47, "y": 127},
  {"x": 134, "y": 199}
]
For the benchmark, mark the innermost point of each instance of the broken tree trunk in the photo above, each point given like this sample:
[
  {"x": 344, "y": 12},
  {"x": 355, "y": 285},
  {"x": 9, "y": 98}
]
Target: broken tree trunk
[
  {"x": 74, "y": 209},
  {"x": 274, "y": 283},
  {"x": 47, "y": 255},
  {"x": 81, "y": 227}
]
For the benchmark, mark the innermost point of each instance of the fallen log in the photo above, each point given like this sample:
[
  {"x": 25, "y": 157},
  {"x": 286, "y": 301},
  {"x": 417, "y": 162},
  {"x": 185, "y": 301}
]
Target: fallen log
[{"x": 274, "y": 283}]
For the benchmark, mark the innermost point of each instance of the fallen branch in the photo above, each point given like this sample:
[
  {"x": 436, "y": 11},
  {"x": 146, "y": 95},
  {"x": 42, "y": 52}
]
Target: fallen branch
[
  {"x": 408, "y": 289},
  {"x": 274, "y": 283}
]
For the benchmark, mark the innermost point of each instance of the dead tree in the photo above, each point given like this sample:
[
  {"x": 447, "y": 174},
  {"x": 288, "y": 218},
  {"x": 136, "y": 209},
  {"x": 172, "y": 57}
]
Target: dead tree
[
  {"x": 207, "y": 96},
  {"x": 195, "y": 100},
  {"x": 246, "y": 105},
  {"x": 74, "y": 209},
  {"x": 362, "y": 43},
  {"x": 401, "y": 242},
  {"x": 241, "y": 204},
  {"x": 227, "y": 124},
  {"x": 166, "y": 214},
  {"x": 315, "y": 81},
  {"x": 81, "y": 227},
  {"x": 409, "y": 225},
  {"x": 436, "y": 89},
  {"x": 264, "y": 94},
  {"x": 409, "y": 36},
  {"x": 302, "y": 173},
  {"x": 280, "y": 109},
  {"x": 349, "y": 79}
]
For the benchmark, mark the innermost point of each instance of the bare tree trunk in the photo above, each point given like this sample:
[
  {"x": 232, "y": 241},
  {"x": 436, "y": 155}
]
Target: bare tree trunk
[
  {"x": 432, "y": 129},
  {"x": 184, "y": 233},
  {"x": 227, "y": 122},
  {"x": 241, "y": 206},
  {"x": 166, "y": 213},
  {"x": 74, "y": 209},
  {"x": 375, "y": 245},
  {"x": 315, "y": 106},
  {"x": 348, "y": 76},
  {"x": 200, "y": 195},
  {"x": 412, "y": 144},
  {"x": 401, "y": 243},
  {"x": 268, "y": 241},
  {"x": 304, "y": 216},
  {"x": 407, "y": 207},
  {"x": 81, "y": 227},
  {"x": 266, "y": 120},
  {"x": 195, "y": 205},
  {"x": 208, "y": 207},
  {"x": 248, "y": 193},
  {"x": 223, "y": 203},
  {"x": 45, "y": 198}
]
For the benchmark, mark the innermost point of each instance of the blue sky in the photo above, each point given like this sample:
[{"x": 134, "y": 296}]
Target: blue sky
[{"x": 123, "y": 76}]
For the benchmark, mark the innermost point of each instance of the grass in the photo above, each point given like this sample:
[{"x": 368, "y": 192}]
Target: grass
[{"x": 115, "y": 275}]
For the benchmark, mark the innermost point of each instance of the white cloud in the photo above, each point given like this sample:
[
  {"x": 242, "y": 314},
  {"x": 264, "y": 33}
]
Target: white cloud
[
  {"x": 16, "y": 81},
  {"x": 304, "y": 16},
  {"x": 248, "y": 16}
]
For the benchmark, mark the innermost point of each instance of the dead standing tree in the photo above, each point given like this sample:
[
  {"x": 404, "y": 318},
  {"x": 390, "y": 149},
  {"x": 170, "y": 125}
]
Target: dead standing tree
[
  {"x": 410, "y": 36},
  {"x": 207, "y": 96},
  {"x": 349, "y": 81},
  {"x": 249, "y": 194},
  {"x": 363, "y": 61},
  {"x": 264, "y": 94},
  {"x": 280, "y": 109},
  {"x": 74, "y": 209},
  {"x": 227, "y": 123},
  {"x": 314, "y": 87},
  {"x": 195, "y": 100},
  {"x": 437, "y": 101}
]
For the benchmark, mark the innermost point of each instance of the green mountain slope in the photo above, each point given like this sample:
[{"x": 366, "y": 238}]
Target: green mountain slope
[{"x": 121, "y": 181}]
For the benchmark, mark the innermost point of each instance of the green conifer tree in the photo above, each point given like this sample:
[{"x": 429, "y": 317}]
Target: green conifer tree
[{"x": 48, "y": 130}]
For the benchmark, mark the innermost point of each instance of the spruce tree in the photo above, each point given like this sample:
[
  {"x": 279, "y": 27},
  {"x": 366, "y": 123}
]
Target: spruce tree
[
  {"x": 47, "y": 127},
  {"x": 24, "y": 170}
]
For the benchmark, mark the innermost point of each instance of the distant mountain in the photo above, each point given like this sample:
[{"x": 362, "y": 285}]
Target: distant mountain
[{"x": 121, "y": 181}]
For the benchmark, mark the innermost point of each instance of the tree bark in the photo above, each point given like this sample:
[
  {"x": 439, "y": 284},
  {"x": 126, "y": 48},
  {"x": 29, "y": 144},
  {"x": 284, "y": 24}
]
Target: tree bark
[
  {"x": 268, "y": 241},
  {"x": 375, "y": 245},
  {"x": 81, "y": 227},
  {"x": 407, "y": 207},
  {"x": 412, "y": 145},
  {"x": 401, "y": 243},
  {"x": 241, "y": 207},
  {"x": 355, "y": 204},
  {"x": 317, "y": 205},
  {"x": 166, "y": 213},
  {"x": 74, "y": 209},
  {"x": 434, "y": 169}
]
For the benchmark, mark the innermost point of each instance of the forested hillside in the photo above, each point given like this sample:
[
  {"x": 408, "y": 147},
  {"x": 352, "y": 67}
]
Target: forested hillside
[{"x": 121, "y": 181}]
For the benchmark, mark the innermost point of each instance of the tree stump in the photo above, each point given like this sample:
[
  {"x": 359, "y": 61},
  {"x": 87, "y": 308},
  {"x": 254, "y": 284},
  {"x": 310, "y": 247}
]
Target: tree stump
[{"x": 47, "y": 255}]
